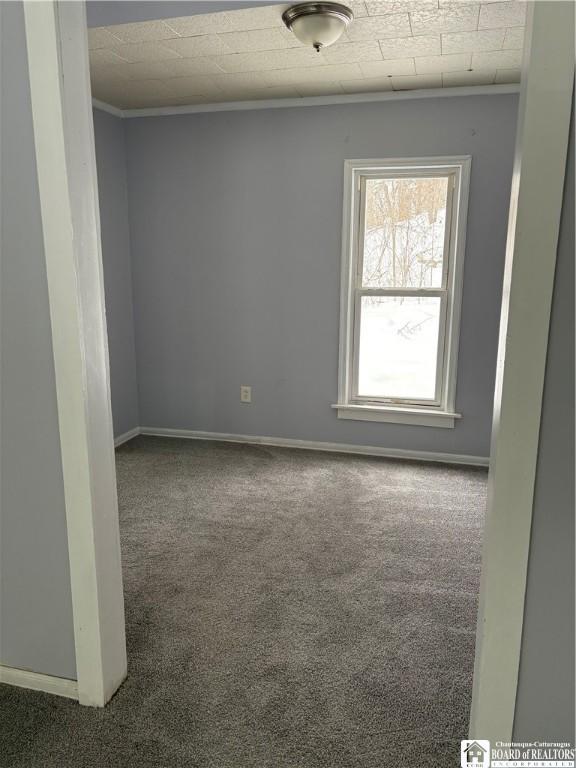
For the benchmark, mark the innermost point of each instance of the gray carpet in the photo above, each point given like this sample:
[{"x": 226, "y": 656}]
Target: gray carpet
[{"x": 284, "y": 608}]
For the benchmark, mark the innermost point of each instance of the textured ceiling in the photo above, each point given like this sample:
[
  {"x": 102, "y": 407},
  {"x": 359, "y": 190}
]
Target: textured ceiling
[{"x": 249, "y": 54}]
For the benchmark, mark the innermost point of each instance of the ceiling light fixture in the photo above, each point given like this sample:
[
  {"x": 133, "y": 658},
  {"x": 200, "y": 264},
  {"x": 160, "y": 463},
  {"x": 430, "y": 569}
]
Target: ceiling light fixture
[{"x": 317, "y": 24}]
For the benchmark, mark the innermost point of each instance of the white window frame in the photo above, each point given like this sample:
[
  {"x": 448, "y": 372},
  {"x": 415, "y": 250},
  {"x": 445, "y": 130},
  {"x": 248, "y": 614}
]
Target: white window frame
[{"x": 440, "y": 411}]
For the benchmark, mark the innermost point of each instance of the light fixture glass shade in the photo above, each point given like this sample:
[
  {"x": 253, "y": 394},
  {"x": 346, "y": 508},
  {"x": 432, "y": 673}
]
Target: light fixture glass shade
[
  {"x": 319, "y": 31},
  {"x": 318, "y": 24}
]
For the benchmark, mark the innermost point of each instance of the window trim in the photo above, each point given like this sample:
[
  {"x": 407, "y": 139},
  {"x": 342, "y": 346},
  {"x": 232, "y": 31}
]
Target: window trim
[{"x": 441, "y": 411}]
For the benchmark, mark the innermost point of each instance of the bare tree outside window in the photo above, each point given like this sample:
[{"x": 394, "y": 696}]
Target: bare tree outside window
[
  {"x": 404, "y": 241},
  {"x": 404, "y": 232}
]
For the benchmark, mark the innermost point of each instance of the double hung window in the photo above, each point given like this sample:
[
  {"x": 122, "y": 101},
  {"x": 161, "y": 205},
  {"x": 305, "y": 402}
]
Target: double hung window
[{"x": 404, "y": 227}]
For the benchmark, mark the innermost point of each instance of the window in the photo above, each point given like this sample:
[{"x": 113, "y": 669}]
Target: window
[{"x": 403, "y": 247}]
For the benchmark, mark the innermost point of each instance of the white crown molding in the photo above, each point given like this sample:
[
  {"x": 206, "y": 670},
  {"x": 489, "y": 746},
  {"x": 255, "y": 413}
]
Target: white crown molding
[
  {"x": 104, "y": 107},
  {"x": 312, "y": 445},
  {"x": 34, "y": 681},
  {"x": 312, "y": 101}
]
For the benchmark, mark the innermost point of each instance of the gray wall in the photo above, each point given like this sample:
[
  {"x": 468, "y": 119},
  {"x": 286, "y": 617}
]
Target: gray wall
[
  {"x": 101, "y": 13},
  {"x": 113, "y": 195},
  {"x": 36, "y": 629},
  {"x": 235, "y": 226},
  {"x": 545, "y": 701}
]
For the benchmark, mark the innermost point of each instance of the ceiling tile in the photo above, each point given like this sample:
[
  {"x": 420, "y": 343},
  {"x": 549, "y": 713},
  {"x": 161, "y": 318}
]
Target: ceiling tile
[
  {"x": 416, "y": 82},
  {"x": 229, "y": 81},
  {"x": 141, "y": 93},
  {"x": 150, "y": 51},
  {"x": 465, "y": 42},
  {"x": 101, "y": 37},
  {"x": 379, "y": 27},
  {"x": 102, "y": 93},
  {"x": 380, "y": 7},
  {"x": 185, "y": 67},
  {"x": 259, "y": 40},
  {"x": 257, "y": 61},
  {"x": 200, "y": 85},
  {"x": 459, "y": 3},
  {"x": 320, "y": 88},
  {"x": 104, "y": 56},
  {"x": 507, "y": 76},
  {"x": 431, "y": 65},
  {"x": 199, "y": 45},
  {"x": 443, "y": 3},
  {"x": 497, "y": 60},
  {"x": 143, "y": 32},
  {"x": 476, "y": 77},
  {"x": 108, "y": 73},
  {"x": 459, "y": 17},
  {"x": 141, "y": 102},
  {"x": 353, "y": 52},
  {"x": 255, "y": 18},
  {"x": 367, "y": 85},
  {"x": 257, "y": 94},
  {"x": 202, "y": 24},
  {"x": 101, "y": 83},
  {"x": 508, "y": 14},
  {"x": 249, "y": 54},
  {"x": 400, "y": 47},
  {"x": 330, "y": 73},
  {"x": 216, "y": 95},
  {"x": 387, "y": 68},
  {"x": 279, "y": 92},
  {"x": 358, "y": 8},
  {"x": 144, "y": 70},
  {"x": 514, "y": 38},
  {"x": 183, "y": 101},
  {"x": 262, "y": 17},
  {"x": 143, "y": 87}
]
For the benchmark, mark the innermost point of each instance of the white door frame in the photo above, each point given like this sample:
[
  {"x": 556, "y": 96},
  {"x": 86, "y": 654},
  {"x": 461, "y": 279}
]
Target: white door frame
[
  {"x": 59, "y": 75},
  {"x": 535, "y": 208},
  {"x": 56, "y": 36}
]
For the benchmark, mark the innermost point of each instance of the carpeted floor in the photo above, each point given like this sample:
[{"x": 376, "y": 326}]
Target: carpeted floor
[{"x": 284, "y": 609}]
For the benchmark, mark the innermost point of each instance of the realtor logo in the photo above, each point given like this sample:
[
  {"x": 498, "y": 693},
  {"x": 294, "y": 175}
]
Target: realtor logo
[{"x": 475, "y": 754}]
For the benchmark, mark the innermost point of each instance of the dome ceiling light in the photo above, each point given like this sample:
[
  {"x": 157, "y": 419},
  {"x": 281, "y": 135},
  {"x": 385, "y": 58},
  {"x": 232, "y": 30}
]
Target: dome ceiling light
[{"x": 317, "y": 24}]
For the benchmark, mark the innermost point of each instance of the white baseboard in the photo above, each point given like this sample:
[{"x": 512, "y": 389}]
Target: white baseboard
[
  {"x": 310, "y": 445},
  {"x": 124, "y": 437},
  {"x": 22, "y": 678}
]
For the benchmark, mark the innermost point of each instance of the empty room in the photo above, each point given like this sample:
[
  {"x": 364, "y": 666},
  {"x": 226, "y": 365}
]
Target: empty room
[{"x": 287, "y": 347}]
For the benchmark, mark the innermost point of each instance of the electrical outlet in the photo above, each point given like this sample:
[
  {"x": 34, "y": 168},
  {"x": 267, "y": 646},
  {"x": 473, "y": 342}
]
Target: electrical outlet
[{"x": 245, "y": 394}]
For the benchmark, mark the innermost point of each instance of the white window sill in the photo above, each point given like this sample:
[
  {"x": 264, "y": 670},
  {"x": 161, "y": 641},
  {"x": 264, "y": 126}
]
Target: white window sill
[{"x": 425, "y": 417}]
